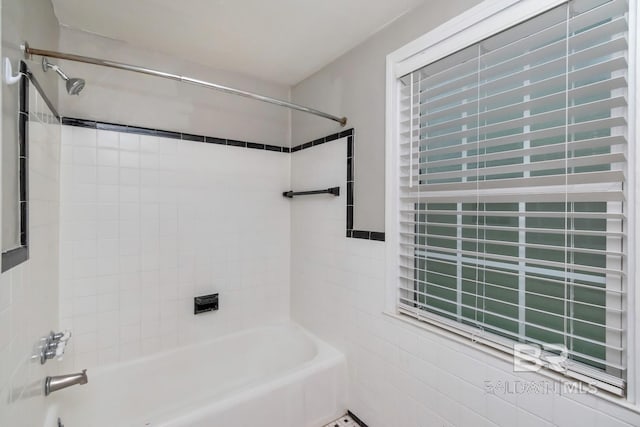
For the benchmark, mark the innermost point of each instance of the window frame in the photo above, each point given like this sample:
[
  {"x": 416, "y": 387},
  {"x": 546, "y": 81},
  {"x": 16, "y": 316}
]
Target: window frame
[{"x": 480, "y": 22}]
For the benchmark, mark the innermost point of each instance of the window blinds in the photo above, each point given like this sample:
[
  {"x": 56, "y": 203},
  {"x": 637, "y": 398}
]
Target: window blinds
[{"x": 512, "y": 170}]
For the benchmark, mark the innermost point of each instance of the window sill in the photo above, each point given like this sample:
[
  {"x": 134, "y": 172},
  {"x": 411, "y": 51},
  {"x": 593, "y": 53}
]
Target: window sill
[{"x": 479, "y": 346}]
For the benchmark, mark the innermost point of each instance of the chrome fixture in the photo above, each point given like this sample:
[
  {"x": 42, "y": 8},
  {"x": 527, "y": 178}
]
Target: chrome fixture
[
  {"x": 74, "y": 85},
  {"x": 53, "y": 345},
  {"x": 29, "y": 51},
  {"x": 59, "y": 382}
]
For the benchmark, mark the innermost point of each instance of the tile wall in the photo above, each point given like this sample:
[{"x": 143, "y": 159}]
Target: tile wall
[
  {"x": 29, "y": 291},
  {"x": 147, "y": 223},
  {"x": 400, "y": 375},
  {"x": 124, "y": 97}
]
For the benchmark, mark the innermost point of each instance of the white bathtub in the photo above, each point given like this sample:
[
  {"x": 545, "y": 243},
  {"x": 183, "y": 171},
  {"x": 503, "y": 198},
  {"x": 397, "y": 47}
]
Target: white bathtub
[{"x": 271, "y": 376}]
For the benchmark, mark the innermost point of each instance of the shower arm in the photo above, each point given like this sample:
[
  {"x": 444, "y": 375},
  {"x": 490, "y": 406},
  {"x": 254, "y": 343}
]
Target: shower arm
[{"x": 29, "y": 52}]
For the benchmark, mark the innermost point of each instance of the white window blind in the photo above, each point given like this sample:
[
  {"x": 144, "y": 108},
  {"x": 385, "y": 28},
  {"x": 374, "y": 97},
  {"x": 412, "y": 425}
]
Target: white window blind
[{"x": 512, "y": 198}]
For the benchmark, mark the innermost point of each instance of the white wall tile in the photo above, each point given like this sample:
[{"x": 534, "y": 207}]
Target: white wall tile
[
  {"x": 107, "y": 175},
  {"x": 29, "y": 291},
  {"x": 162, "y": 221},
  {"x": 129, "y": 177},
  {"x": 107, "y": 157},
  {"x": 106, "y": 194},
  {"x": 501, "y": 412},
  {"x": 106, "y": 139},
  {"x": 396, "y": 371},
  {"x": 129, "y": 142},
  {"x": 526, "y": 419},
  {"x": 129, "y": 159},
  {"x": 84, "y": 156}
]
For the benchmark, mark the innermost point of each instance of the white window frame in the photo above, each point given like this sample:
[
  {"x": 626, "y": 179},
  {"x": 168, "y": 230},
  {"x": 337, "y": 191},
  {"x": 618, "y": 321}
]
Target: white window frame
[{"x": 474, "y": 25}]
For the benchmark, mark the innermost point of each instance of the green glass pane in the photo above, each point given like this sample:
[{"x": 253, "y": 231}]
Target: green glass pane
[
  {"x": 503, "y": 326},
  {"x": 543, "y": 335},
  {"x": 539, "y": 321},
  {"x": 545, "y": 287}
]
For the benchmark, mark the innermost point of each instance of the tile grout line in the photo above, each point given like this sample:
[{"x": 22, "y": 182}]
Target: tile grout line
[
  {"x": 346, "y": 420},
  {"x": 349, "y": 134}
]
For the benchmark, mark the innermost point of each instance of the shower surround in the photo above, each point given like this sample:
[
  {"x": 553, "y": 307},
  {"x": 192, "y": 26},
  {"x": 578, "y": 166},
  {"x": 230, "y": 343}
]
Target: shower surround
[{"x": 147, "y": 223}]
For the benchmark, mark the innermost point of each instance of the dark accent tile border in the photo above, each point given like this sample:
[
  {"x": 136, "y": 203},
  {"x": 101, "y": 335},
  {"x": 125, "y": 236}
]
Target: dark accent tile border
[
  {"x": 360, "y": 234},
  {"x": 142, "y": 131},
  {"x": 18, "y": 255},
  {"x": 235, "y": 143},
  {"x": 115, "y": 127},
  {"x": 274, "y": 148},
  {"x": 195, "y": 138},
  {"x": 86, "y": 123},
  {"x": 357, "y": 420},
  {"x": 332, "y": 137},
  {"x": 23, "y": 142},
  {"x": 350, "y": 134},
  {"x": 377, "y": 235},
  {"x": 165, "y": 134},
  {"x": 212, "y": 140},
  {"x": 98, "y": 125}
]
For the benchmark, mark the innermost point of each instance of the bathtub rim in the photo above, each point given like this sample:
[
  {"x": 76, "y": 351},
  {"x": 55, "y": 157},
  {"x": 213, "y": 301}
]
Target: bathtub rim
[
  {"x": 325, "y": 357},
  {"x": 255, "y": 389},
  {"x": 319, "y": 346}
]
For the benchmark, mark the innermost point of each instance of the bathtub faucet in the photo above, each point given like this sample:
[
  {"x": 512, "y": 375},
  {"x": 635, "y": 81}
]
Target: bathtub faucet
[{"x": 59, "y": 382}]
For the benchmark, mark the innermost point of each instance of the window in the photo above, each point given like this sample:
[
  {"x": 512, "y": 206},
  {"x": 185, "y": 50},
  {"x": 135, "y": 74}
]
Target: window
[{"x": 511, "y": 187}]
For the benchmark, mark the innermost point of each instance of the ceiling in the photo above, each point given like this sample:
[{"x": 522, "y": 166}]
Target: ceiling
[{"x": 282, "y": 41}]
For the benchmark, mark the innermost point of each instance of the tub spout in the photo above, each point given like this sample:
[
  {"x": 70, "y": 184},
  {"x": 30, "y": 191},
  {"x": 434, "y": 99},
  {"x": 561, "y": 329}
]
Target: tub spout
[{"x": 59, "y": 382}]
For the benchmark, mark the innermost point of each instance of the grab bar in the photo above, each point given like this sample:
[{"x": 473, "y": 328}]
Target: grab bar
[{"x": 333, "y": 190}]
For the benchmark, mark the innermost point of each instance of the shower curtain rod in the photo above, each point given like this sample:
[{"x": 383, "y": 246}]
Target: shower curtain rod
[{"x": 29, "y": 51}]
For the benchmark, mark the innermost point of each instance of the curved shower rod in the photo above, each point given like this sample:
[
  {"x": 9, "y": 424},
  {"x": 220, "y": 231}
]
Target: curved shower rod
[{"x": 29, "y": 51}]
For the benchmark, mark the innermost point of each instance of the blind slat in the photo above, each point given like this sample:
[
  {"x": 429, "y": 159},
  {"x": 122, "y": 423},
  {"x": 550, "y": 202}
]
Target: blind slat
[
  {"x": 469, "y": 105},
  {"x": 589, "y": 144},
  {"x": 515, "y": 259},
  {"x": 512, "y": 169},
  {"x": 615, "y": 176},
  {"x": 516, "y": 336},
  {"x": 613, "y": 61},
  {"x": 482, "y": 227},
  {"x": 603, "y": 159},
  {"x": 528, "y": 272},
  {"x": 410, "y": 213},
  {"x": 610, "y": 383},
  {"x": 569, "y": 251},
  {"x": 536, "y": 38},
  {"x": 508, "y": 304}
]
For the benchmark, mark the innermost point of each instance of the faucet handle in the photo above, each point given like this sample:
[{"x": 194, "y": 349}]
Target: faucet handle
[
  {"x": 54, "y": 345},
  {"x": 60, "y": 350},
  {"x": 66, "y": 336},
  {"x": 60, "y": 336}
]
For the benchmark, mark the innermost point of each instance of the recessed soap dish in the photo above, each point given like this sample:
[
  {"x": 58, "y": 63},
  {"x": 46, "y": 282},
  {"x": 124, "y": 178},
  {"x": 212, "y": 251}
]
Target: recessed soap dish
[{"x": 205, "y": 303}]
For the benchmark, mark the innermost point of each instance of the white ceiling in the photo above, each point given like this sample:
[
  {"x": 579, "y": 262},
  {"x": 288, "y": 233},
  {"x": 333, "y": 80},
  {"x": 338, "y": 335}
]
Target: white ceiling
[{"x": 282, "y": 41}]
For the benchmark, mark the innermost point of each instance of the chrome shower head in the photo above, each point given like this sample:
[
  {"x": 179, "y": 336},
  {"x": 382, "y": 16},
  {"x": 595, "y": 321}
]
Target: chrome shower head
[{"x": 74, "y": 85}]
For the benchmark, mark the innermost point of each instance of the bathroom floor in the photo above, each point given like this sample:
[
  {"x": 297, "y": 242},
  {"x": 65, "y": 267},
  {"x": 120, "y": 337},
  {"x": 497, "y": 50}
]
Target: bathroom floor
[{"x": 343, "y": 421}]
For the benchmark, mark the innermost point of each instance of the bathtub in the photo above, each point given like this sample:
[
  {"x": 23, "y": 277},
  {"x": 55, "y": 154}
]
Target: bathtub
[{"x": 269, "y": 376}]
